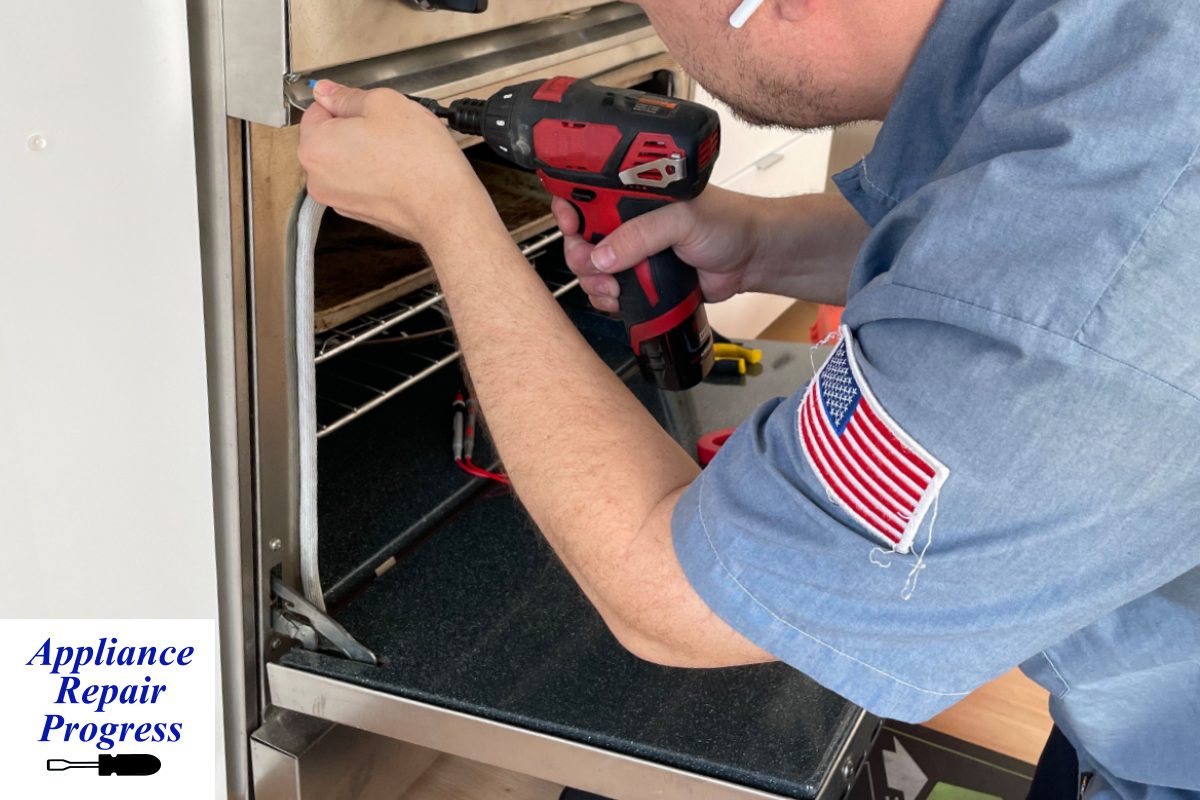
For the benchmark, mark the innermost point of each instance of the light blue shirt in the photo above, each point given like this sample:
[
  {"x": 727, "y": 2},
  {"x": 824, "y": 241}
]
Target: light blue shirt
[{"x": 1025, "y": 318}]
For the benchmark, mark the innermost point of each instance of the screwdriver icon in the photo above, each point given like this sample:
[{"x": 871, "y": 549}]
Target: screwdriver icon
[{"x": 128, "y": 764}]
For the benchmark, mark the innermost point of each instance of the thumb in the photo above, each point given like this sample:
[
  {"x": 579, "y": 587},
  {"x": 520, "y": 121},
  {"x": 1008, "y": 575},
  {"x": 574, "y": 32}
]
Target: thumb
[
  {"x": 642, "y": 237},
  {"x": 339, "y": 100}
]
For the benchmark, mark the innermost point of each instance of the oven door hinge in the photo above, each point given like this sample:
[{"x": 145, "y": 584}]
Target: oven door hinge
[{"x": 295, "y": 617}]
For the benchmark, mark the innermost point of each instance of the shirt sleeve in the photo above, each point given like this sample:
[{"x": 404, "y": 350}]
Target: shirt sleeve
[{"x": 1066, "y": 491}]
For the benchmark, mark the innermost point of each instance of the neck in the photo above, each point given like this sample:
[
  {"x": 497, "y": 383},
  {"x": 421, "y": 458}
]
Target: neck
[{"x": 889, "y": 36}]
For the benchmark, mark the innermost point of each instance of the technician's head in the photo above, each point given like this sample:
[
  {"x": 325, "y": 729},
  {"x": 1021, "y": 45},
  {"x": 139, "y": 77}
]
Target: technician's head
[{"x": 798, "y": 63}]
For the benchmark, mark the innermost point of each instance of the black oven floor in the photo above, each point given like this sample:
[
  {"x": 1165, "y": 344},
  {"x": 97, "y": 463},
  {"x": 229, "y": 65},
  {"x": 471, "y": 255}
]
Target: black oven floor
[{"x": 480, "y": 617}]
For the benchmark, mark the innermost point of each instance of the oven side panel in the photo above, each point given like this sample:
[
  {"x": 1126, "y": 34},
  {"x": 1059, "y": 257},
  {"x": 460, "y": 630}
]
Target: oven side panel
[{"x": 220, "y": 192}]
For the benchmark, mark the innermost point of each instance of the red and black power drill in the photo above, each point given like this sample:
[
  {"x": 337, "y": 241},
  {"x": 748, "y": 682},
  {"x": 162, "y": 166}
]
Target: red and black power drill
[{"x": 615, "y": 154}]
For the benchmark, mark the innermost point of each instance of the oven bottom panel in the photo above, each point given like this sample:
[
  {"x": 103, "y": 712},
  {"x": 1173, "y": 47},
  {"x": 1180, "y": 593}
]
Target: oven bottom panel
[{"x": 479, "y": 617}]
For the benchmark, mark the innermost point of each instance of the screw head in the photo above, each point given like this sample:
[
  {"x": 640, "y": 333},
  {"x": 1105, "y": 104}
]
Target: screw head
[
  {"x": 36, "y": 143},
  {"x": 848, "y": 769},
  {"x": 275, "y": 544}
]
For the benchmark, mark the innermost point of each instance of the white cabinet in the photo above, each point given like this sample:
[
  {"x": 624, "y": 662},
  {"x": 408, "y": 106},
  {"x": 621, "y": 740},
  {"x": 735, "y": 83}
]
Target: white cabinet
[
  {"x": 741, "y": 144},
  {"x": 798, "y": 167},
  {"x": 767, "y": 162}
]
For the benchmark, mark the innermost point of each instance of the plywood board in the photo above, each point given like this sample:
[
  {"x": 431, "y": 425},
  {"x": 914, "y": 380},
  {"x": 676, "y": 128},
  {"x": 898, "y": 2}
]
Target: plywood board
[
  {"x": 360, "y": 268},
  {"x": 523, "y": 203}
]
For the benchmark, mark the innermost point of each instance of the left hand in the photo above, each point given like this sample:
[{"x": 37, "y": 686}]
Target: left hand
[{"x": 380, "y": 158}]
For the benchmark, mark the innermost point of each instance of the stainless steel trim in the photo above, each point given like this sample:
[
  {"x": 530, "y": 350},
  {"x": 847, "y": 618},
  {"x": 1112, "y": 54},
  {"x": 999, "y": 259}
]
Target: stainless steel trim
[
  {"x": 836, "y": 782},
  {"x": 268, "y": 57},
  {"x": 298, "y": 757},
  {"x": 256, "y": 59},
  {"x": 226, "y": 321},
  {"x": 496, "y": 743},
  {"x": 461, "y": 66},
  {"x": 339, "y": 31}
]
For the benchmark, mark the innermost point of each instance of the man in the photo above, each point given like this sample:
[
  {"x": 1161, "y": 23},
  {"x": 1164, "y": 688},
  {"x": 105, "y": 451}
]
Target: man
[{"x": 999, "y": 463}]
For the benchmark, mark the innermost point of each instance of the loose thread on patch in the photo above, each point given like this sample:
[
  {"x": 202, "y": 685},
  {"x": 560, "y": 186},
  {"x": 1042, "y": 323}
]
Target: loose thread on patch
[
  {"x": 881, "y": 552},
  {"x": 910, "y": 585},
  {"x": 831, "y": 338}
]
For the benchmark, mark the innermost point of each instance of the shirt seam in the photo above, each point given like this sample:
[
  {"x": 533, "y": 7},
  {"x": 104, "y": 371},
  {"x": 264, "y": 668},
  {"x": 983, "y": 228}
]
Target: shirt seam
[
  {"x": 1189, "y": 164},
  {"x": 746, "y": 591},
  {"x": 874, "y": 186},
  {"x": 1047, "y": 331},
  {"x": 1054, "y": 669}
]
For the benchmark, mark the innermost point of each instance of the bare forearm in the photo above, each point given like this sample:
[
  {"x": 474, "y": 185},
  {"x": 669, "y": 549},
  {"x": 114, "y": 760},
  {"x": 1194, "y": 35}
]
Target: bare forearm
[
  {"x": 804, "y": 246},
  {"x": 588, "y": 461}
]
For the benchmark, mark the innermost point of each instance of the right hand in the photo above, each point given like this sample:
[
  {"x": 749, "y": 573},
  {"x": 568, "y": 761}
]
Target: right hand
[{"x": 713, "y": 233}]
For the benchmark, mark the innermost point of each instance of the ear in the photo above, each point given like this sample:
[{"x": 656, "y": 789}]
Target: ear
[{"x": 797, "y": 10}]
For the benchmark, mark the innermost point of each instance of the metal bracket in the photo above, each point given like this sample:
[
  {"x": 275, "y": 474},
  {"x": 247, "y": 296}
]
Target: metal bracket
[
  {"x": 293, "y": 616},
  {"x": 671, "y": 169}
]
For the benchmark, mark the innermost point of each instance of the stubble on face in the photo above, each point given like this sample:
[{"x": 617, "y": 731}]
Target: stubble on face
[{"x": 759, "y": 92}]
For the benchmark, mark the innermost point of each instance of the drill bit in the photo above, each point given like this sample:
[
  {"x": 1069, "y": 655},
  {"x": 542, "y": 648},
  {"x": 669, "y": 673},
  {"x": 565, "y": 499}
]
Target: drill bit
[
  {"x": 464, "y": 116},
  {"x": 431, "y": 104}
]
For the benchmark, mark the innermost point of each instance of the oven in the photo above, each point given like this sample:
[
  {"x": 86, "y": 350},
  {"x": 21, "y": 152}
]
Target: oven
[{"x": 396, "y": 607}]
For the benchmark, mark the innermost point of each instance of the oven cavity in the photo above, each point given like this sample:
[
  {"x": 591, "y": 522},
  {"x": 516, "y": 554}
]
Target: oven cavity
[{"x": 380, "y": 322}]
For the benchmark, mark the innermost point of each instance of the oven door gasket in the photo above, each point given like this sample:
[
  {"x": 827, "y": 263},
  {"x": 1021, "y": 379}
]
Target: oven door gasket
[{"x": 307, "y": 229}]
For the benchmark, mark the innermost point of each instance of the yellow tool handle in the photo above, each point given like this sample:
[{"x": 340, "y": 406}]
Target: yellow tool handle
[{"x": 747, "y": 354}]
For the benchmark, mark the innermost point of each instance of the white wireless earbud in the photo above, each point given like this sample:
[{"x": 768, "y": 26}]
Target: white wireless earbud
[{"x": 744, "y": 12}]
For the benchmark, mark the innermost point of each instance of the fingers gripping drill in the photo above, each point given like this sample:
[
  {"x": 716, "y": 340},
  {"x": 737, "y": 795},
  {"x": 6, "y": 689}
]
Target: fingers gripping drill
[{"x": 614, "y": 155}]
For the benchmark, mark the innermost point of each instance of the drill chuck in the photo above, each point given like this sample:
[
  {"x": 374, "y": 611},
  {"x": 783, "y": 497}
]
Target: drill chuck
[{"x": 467, "y": 116}]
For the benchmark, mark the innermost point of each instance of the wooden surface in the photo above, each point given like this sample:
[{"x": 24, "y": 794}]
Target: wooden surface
[
  {"x": 451, "y": 778},
  {"x": 360, "y": 268},
  {"x": 523, "y": 203},
  {"x": 1008, "y": 715},
  {"x": 792, "y": 325}
]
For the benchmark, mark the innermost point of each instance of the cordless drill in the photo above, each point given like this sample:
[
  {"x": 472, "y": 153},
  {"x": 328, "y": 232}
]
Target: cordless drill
[{"x": 615, "y": 154}]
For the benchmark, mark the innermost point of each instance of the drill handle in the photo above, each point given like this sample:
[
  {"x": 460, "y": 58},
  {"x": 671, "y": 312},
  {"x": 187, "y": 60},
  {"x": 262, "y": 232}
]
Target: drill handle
[
  {"x": 661, "y": 303},
  {"x": 663, "y": 311}
]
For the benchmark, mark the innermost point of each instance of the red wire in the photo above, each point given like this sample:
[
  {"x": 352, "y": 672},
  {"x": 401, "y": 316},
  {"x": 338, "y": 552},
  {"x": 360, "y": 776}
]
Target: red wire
[
  {"x": 465, "y": 464},
  {"x": 479, "y": 472}
]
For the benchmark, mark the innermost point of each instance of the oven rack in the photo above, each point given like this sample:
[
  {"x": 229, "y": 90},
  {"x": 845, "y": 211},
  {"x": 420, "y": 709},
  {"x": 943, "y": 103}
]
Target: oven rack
[
  {"x": 336, "y": 341},
  {"x": 354, "y": 384}
]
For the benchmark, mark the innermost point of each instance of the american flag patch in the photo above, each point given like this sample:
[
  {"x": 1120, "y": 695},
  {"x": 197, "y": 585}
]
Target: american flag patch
[{"x": 876, "y": 472}]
